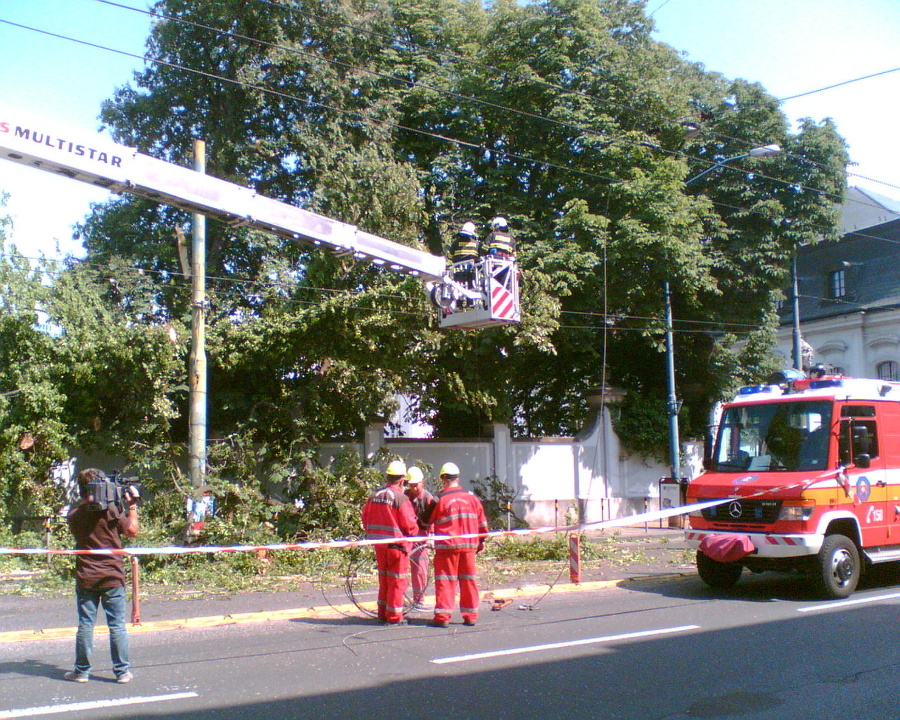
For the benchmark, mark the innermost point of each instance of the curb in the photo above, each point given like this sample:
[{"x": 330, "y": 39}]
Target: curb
[{"x": 322, "y": 611}]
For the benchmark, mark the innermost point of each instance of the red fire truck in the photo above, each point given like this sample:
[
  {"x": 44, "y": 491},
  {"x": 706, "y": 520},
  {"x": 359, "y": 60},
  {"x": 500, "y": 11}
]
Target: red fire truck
[{"x": 806, "y": 472}]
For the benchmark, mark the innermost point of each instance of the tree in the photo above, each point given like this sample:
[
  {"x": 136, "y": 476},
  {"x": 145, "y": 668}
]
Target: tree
[
  {"x": 408, "y": 118},
  {"x": 32, "y": 433},
  {"x": 83, "y": 365}
]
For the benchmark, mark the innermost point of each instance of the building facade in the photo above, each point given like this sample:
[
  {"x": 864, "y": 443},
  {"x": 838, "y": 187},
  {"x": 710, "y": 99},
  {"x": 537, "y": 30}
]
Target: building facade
[{"x": 848, "y": 293}]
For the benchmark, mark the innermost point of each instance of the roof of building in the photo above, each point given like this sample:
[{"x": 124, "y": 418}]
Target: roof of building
[
  {"x": 863, "y": 209},
  {"x": 864, "y": 263}
]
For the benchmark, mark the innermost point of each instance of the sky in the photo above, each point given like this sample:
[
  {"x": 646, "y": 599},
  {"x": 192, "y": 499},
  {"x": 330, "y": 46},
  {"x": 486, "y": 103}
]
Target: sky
[{"x": 791, "y": 47}]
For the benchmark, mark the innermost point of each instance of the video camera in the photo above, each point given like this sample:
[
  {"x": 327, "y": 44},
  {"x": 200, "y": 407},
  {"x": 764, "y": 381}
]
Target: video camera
[{"x": 114, "y": 491}]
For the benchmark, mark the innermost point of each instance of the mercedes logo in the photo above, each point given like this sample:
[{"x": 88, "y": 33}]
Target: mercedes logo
[{"x": 735, "y": 510}]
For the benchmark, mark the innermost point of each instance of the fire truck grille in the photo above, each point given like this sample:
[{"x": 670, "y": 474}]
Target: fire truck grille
[{"x": 744, "y": 511}]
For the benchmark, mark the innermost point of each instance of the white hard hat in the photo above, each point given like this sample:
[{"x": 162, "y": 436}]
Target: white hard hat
[
  {"x": 449, "y": 468},
  {"x": 499, "y": 223},
  {"x": 414, "y": 475},
  {"x": 396, "y": 468},
  {"x": 467, "y": 229}
]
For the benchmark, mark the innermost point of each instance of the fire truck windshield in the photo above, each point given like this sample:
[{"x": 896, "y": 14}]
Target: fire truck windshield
[{"x": 778, "y": 436}]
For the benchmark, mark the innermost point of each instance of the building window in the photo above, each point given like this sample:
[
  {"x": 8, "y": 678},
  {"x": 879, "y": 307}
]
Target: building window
[
  {"x": 837, "y": 284},
  {"x": 888, "y": 370}
]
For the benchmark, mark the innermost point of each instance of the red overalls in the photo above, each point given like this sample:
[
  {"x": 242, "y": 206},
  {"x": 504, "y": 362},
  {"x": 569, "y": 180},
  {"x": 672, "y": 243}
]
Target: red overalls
[
  {"x": 458, "y": 512},
  {"x": 388, "y": 513}
]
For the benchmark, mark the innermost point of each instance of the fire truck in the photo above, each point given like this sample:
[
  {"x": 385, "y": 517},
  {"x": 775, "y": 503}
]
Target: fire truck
[
  {"x": 804, "y": 474},
  {"x": 492, "y": 299}
]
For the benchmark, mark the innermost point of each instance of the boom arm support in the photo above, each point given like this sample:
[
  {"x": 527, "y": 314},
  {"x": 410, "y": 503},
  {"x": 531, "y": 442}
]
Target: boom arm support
[
  {"x": 492, "y": 297},
  {"x": 97, "y": 161}
]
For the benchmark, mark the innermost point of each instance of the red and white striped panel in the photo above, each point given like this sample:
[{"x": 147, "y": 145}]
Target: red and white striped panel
[{"x": 503, "y": 306}]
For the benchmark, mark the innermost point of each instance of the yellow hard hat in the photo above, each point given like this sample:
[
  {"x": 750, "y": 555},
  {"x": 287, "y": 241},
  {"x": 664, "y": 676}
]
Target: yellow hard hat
[
  {"x": 449, "y": 468},
  {"x": 396, "y": 468},
  {"x": 414, "y": 475}
]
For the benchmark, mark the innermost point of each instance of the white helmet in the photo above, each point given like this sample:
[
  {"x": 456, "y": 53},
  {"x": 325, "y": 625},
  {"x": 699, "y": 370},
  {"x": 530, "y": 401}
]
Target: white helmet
[
  {"x": 396, "y": 468},
  {"x": 414, "y": 475},
  {"x": 449, "y": 469},
  {"x": 499, "y": 223},
  {"x": 468, "y": 228}
]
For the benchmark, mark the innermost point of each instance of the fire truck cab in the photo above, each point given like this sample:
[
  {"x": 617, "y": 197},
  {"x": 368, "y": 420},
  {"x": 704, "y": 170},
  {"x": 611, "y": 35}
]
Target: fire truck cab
[{"x": 807, "y": 475}]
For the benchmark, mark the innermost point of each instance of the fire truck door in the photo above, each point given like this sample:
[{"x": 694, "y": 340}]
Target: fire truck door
[{"x": 868, "y": 475}]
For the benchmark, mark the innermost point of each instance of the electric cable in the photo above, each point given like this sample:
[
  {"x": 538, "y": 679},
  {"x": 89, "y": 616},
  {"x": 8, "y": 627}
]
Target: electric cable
[
  {"x": 740, "y": 209},
  {"x": 435, "y": 136},
  {"x": 405, "y": 82}
]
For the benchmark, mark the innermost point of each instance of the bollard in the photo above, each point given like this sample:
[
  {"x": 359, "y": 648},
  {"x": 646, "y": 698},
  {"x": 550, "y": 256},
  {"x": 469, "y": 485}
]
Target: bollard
[
  {"x": 135, "y": 591},
  {"x": 575, "y": 558}
]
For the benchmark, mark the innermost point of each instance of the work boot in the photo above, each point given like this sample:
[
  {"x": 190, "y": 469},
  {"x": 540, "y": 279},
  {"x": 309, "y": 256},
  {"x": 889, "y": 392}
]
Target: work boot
[{"x": 439, "y": 623}]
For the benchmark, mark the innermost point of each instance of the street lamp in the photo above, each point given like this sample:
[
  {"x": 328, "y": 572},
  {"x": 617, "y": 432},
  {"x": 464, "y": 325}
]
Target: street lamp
[
  {"x": 672, "y": 401},
  {"x": 762, "y": 151}
]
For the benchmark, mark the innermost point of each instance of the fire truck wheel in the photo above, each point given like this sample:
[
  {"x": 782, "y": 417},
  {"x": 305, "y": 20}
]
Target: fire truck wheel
[
  {"x": 839, "y": 567},
  {"x": 717, "y": 574}
]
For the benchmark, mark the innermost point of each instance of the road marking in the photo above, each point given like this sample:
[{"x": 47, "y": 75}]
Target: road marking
[
  {"x": 570, "y": 643},
  {"x": 845, "y": 603},
  {"x": 92, "y": 705}
]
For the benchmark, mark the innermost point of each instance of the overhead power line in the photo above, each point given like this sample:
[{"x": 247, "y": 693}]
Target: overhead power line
[
  {"x": 457, "y": 58},
  {"x": 837, "y": 85},
  {"x": 436, "y": 136}
]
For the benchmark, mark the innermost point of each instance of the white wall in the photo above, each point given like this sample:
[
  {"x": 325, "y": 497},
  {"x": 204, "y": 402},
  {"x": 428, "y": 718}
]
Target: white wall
[{"x": 555, "y": 480}]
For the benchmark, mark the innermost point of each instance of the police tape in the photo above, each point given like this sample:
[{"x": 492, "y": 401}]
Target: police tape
[{"x": 642, "y": 518}]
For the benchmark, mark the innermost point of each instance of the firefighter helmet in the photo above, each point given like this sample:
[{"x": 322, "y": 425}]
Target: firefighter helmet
[
  {"x": 414, "y": 475},
  {"x": 449, "y": 469},
  {"x": 468, "y": 228},
  {"x": 396, "y": 468},
  {"x": 499, "y": 223}
]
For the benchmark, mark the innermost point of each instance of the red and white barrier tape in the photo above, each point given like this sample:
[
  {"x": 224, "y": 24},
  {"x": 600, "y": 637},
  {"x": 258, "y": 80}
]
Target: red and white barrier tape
[
  {"x": 646, "y": 517},
  {"x": 638, "y": 519}
]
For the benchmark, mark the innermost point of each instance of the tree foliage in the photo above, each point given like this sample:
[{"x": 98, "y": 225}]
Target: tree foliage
[{"x": 407, "y": 119}]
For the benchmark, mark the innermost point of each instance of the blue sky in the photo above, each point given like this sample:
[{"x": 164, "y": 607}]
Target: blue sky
[{"x": 790, "y": 46}]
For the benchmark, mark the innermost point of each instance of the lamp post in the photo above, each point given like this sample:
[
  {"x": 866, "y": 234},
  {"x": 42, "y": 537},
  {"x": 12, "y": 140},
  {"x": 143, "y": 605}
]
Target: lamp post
[
  {"x": 762, "y": 151},
  {"x": 672, "y": 400}
]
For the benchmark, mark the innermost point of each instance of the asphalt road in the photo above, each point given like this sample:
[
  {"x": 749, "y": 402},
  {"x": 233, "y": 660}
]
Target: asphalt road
[{"x": 661, "y": 649}]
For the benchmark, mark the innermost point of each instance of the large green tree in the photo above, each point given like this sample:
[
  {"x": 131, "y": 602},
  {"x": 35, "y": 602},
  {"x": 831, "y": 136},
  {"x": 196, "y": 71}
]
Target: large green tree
[{"x": 408, "y": 118}]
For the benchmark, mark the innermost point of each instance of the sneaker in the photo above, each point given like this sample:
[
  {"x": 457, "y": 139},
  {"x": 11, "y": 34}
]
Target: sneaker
[
  {"x": 76, "y": 676},
  {"x": 125, "y": 677},
  {"x": 439, "y": 623}
]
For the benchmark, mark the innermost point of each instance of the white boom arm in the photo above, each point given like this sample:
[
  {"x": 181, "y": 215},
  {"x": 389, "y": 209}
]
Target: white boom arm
[{"x": 98, "y": 161}]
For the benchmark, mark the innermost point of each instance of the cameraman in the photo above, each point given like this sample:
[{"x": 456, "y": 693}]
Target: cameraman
[{"x": 100, "y": 579}]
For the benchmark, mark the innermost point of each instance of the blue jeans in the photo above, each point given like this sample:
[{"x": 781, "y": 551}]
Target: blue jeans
[{"x": 113, "y": 602}]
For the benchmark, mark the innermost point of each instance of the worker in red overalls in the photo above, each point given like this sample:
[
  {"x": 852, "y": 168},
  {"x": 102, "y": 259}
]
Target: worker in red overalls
[
  {"x": 419, "y": 557},
  {"x": 388, "y": 513},
  {"x": 457, "y": 512}
]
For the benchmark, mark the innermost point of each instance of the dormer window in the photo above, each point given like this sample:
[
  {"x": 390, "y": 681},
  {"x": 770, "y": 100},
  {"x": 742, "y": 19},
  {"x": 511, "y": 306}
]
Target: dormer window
[{"x": 837, "y": 284}]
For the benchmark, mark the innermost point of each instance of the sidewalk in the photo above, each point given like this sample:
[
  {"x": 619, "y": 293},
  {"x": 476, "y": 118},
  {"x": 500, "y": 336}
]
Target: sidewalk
[{"x": 24, "y": 617}]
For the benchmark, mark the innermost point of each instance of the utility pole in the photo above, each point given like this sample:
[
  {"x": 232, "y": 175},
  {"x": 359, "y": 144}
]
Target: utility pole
[
  {"x": 197, "y": 371},
  {"x": 674, "y": 440},
  {"x": 797, "y": 351}
]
